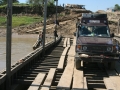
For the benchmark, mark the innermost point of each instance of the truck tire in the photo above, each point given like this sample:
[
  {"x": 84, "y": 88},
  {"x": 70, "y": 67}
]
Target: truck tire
[
  {"x": 77, "y": 64},
  {"x": 111, "y": 65}
]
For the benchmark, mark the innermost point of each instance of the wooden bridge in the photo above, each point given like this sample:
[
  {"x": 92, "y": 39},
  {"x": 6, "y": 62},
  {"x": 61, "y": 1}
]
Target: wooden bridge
[{"x": 56, "y": 71}]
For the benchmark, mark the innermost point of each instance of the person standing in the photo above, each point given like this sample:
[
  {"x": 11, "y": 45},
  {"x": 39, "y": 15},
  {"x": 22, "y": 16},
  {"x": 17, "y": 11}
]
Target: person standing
[
  {"x": 55, "y": 33},
  {"x": 56, "y": 24},
  {"x": 40, "y": 38}
]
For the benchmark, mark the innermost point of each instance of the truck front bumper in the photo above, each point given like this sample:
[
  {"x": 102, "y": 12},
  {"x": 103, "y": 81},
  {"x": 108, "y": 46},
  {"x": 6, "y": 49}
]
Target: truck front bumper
[{"x": 96, "y": 58}]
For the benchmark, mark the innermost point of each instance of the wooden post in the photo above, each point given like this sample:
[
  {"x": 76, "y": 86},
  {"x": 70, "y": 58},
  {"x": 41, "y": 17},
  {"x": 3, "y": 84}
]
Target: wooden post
[
  {"x": 56, "y": 18},
  {"x": 44, "y": 28},
  {"x": 8, "y": 45}
]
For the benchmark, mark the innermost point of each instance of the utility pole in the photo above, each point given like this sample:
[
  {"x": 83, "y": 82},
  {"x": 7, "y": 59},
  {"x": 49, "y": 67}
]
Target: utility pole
[
  {"x": 8, "y": 45},
  {"x": 56, "y": 19},
  {"x": 44, "y": 28}
]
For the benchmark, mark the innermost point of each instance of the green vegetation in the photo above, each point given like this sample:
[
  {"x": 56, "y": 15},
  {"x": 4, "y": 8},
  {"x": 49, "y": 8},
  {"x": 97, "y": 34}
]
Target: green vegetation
[
  {"x": 4, "y": 2},
  {"x": 20, "y": 20},
  {"x": 117, "y": 7}
]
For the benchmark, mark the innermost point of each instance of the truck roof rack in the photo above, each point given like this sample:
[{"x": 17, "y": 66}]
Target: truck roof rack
[{"x": 90, "y": 15}]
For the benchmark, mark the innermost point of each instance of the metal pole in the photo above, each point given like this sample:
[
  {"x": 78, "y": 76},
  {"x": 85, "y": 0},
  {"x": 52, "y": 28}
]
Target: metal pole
[
  {"x": 8, "y": 45},
  {"x": 56, "y": 18},
  {"x": 44, "y": 28}
]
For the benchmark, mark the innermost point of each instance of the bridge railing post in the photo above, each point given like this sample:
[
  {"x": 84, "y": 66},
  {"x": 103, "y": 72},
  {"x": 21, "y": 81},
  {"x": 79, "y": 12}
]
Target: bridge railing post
[
  {"x": 56, "y": 20},
  {"x": 44, "y": 28},
  {"x": 8, "y": 45}
]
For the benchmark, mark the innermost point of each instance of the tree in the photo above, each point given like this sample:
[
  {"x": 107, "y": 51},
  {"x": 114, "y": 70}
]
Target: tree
[
  {"x": 35, "y": 2},
  {"x": 38, "y": 3},
  {"x": 4, "y": 2},
  {"x": 116, "y": 7},
  {"x": 51, "y": 2},
  {"x": 15, "y": 1}
]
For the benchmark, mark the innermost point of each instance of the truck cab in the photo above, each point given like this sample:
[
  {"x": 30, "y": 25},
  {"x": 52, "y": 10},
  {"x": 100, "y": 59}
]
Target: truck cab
[{"x": 94, "y": 42}]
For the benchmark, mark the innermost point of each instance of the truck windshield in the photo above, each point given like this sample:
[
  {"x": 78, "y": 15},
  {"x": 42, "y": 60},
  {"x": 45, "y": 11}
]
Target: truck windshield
[{"x": 101, "y": 31}]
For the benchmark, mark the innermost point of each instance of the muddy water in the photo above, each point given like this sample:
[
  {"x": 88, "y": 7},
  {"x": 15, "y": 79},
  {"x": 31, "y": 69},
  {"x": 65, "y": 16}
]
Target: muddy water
[{"x": 21, "y": 46}]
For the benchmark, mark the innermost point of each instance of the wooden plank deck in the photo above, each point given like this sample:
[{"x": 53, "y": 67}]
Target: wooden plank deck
[
  {"x": 85, "y": 84},
  {"x": 71, "y": 51},
  {"x": 62, "y": 58},
  {"x": 61, "y": 63},
  {"x": 37, "y": 82},
  {"x": 115, "y": 79},
  {"x": 65, "y": 43},
  {"x": 66, "y": 78},
  {"x": 109, "y": 84},
  {"x": 79, "y": 81},
  {"x": 65, "y": 51},
  {"x": 74, "y": 41},
  {"x": 68, "y": 42},
  {"x": 49, "y": 79}
]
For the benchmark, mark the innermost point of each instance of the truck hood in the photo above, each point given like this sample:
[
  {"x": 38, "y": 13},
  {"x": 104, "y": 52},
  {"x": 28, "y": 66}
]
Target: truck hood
[{"x": 94, "y": 40}]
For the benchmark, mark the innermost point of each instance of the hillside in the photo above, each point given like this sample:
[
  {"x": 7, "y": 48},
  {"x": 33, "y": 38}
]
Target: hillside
[{"x": 67, "y": 21}]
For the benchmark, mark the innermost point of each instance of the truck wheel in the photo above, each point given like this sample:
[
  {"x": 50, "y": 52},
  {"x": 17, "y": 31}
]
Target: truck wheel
[
  {"x": 111, "y": 65},
  {"x": 78, "y": 64}
]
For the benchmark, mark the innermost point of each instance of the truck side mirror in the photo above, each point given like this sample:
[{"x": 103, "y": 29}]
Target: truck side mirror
[{"x": 112, "y": 35}]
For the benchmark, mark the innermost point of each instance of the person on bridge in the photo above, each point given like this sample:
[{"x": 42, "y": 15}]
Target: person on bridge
[
  {"x": 56, "y": 24},
  {"x": 40, "y": 38},
  {"x": 55, "y": 33}
]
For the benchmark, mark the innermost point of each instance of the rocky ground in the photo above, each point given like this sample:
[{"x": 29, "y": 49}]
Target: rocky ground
[{"x": 67, "y": 25}]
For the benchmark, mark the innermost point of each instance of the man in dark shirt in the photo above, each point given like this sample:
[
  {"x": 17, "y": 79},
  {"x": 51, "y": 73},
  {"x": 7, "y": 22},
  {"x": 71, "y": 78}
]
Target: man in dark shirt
[
  {"x": 56, "y": 24},
  {"x": 55, "y": 33}
]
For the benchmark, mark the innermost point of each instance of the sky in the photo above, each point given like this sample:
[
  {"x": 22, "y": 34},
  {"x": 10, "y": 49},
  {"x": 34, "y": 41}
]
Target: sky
[{"x": 92, "y": 5}]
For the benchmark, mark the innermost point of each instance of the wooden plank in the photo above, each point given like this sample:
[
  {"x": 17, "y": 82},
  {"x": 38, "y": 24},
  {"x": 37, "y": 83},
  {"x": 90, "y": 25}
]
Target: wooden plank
[
  {"x": 62, "y": 58},
  {"x": 37, "y": 82},
  {"x": 71, "y": 51},
  {"x": 49, "y": 79},
  {"x": 66, "y": 78},
  {"x": 61, "y": 62},
  {"x": 65, "y": 42},
  {"x": 85, "y": 84},
  {"x": 79, "y": 81},
  {"x": 109, "y": 84},
  {"x": 115, "y": 79},
  {"x": 40, "y": 28},
  {"x": 68, "y": 42},
  {"x": 65, "y": 51},
  {"x": 74, "y": 41}
]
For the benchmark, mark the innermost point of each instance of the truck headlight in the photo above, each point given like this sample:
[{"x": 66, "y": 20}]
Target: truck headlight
[
  {"x": 109, "y": 49},
  {"x": 84, "y": 48},
  {"x": 115, "y": 47}
]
